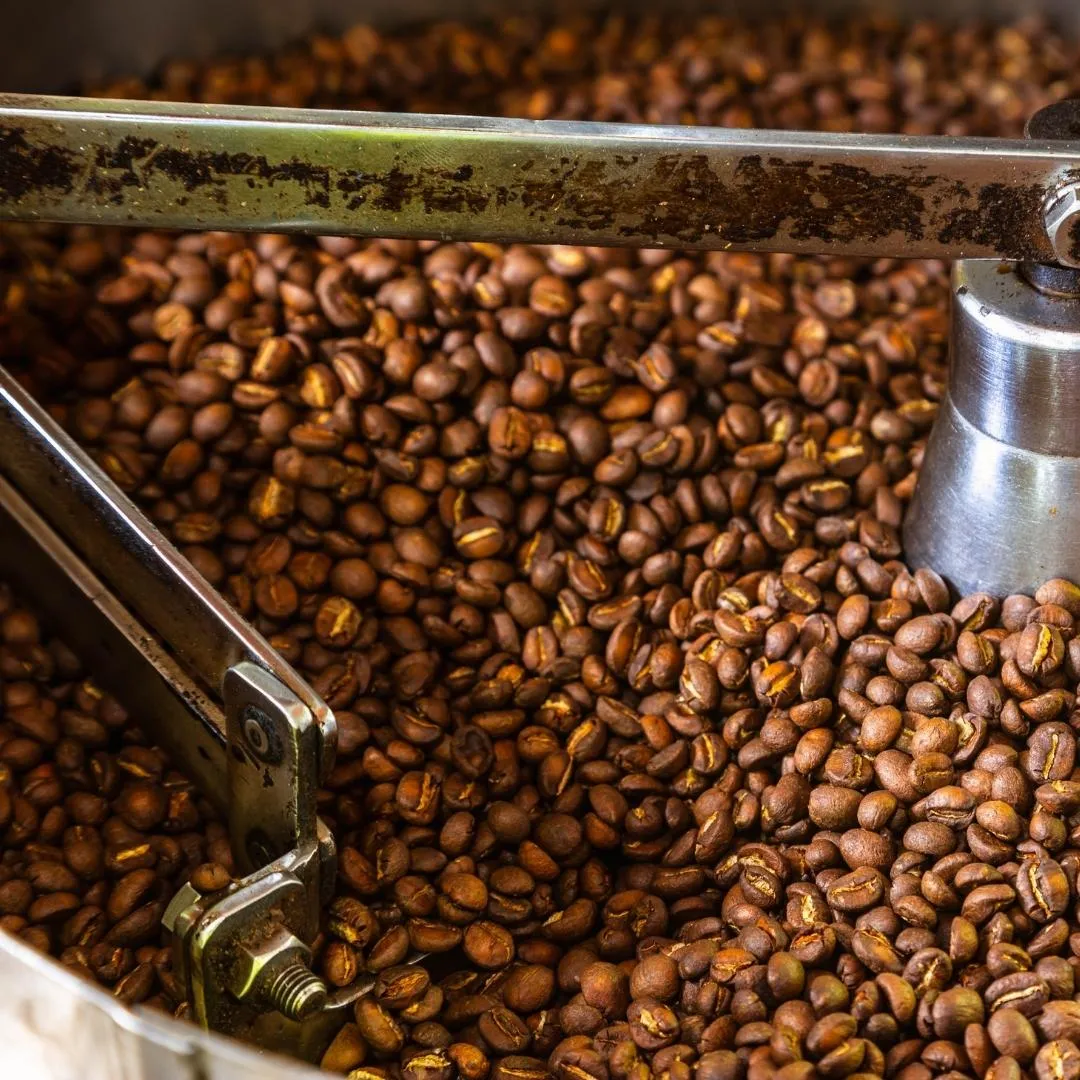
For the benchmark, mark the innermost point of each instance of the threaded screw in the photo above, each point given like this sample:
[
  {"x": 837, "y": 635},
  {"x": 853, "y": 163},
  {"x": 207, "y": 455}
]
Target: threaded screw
[{"x": 297, "y": 992}]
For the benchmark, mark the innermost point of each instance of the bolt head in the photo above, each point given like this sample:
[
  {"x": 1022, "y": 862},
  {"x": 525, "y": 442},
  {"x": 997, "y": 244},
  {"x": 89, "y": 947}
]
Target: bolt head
[
  {"x": 1058, "y": 120},
  {"x": 255, "y": 733},
  {"x": 1062, "y": 221}
]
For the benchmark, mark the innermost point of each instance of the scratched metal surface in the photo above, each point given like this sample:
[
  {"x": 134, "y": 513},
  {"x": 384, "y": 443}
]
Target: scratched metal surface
[{"x": 451, "y": 178}]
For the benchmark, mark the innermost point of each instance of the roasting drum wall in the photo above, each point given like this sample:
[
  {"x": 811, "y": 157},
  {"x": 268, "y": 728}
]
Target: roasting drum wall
[{"x": 51, "y": 45}]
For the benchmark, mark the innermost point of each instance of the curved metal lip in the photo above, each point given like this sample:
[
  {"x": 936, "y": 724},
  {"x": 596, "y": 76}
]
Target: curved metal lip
[
  {"x": 1015, "y": 354},
  {"x": 202, "y": 1053},
  {"x": 1019, "y": 323},
  {"x": 1007, "y": 329}
]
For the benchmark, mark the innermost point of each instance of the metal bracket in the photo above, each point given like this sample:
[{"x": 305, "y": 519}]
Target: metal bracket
[
  {"x": 246, "y": 951},
  {"x": 272, "y": 766}
]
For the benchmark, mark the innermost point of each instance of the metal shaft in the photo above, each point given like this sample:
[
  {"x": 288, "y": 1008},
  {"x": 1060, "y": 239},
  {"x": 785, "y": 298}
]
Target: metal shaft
[
  {"x": 994, "y": 507},
  {"x": 165, "y": 165}
]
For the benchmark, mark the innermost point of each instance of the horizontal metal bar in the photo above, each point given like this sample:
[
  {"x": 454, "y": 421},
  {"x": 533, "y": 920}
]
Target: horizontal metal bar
[
  {"x": 119, "y": 544},
  {"x": 175, "y": 712},
  {"x": 163, "y": 165}
]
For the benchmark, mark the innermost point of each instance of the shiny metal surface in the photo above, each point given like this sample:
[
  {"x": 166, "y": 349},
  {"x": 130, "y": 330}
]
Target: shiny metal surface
[
  {"x": 1062, "y": 219},
  {"x": 123, "y": 548},
  {"x": 168, "y": 165},
  {"x": 1016, "y": 358},
  {"x": 57, "y": 1026},
  {"x": 243, "y": 954},
  {"x": 244, "y": 957},
  {"x": 996, "y": 504},
  {"x": 272, "y": 767},
  {"x": 232, "y": 945},
  {"x": 178, "y": 715}
]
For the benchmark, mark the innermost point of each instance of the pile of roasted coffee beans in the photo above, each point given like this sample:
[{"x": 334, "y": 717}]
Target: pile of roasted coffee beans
[
  {"x": 98, "y": 831},
  {"x": 648, "y": 734}
]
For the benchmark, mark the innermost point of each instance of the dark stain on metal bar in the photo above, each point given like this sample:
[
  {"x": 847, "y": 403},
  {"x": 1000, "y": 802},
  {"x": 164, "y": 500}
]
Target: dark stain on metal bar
[
  {"x": 133, "y": 161},
  {"x": 194, "y": 170},
  {"x": 112, "y": 170},
  {"x": 674, "y": 198},
  {"x": 684, "y": 198},
  {"x": 995, "y": 217},
  {"x": 25, "y": 167},
  {"x": 446, "y": 191}
]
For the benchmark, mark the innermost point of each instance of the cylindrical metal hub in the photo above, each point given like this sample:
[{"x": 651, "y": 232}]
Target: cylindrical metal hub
[{"x": 997, "y": 507}]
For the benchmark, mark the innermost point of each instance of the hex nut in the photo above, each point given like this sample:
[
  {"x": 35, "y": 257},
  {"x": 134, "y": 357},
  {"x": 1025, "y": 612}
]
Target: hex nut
[{"x": 1062, "y": 220}]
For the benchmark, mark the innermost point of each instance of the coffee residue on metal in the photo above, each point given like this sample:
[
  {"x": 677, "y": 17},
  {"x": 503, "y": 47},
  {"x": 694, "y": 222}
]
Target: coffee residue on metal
[
  {"x": 676, "y": 199},
  {"x": 25, "y": 167}
]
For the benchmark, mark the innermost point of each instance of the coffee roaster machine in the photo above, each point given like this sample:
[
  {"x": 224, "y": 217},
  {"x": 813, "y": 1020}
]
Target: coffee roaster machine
[{"x": 995, "y": 508}]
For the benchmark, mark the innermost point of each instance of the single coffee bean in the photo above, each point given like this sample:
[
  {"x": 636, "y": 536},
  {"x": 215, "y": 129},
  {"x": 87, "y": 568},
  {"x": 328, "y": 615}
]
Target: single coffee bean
[
  {"x": 1023, "y": 991},
  {"x": 1058, "y": 1059},
  {"x": 1012, "y": 1034},
  {"x": 488, "y": 945}
]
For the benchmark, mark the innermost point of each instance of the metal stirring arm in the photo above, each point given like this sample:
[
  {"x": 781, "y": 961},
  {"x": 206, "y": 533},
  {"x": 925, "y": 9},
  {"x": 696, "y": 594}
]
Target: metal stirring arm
[
  {"x": 188, "y": 166},
  {"x": 132, "y": 606}
]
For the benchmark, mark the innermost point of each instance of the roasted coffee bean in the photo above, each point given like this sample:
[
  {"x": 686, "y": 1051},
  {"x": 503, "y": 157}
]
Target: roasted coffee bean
[
  {"x": 652, "y": 1024},
  {"x": 1024, "y": 991},
  {"x": 340, "y": 964},
  {"x": 379, "y": 1029},
  {"x": 529, "y": 988},
  {"x": 504, "y": 1031},
  {"x": 1012, "y": 1034},
  {"x": 954, "y": 1010},
  {"x": 655, "y": 977},
  {"x": 397, "y": 988},
  {"x": 1058, "y": 1060},
  {"x": 488, "y": 945},
  {"x": 1042, "y": 885}
]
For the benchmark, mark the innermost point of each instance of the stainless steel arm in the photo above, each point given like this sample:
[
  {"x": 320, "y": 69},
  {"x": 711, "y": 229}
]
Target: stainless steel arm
[
  {"x": 118, "y": 542},
  {"x": 459, "y": 178},
  {"x": 166, "y": 642},
  {"x": 180, "y": 716}
]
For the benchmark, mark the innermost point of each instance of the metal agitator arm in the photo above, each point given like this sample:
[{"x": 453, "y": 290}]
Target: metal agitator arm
[{"x": 185, "y": 166}]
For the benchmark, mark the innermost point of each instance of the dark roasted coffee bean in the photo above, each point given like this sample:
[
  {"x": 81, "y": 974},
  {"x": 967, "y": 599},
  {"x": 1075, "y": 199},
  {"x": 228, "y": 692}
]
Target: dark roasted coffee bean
[
  {"x": 1058, "y": 1060},
  {"x": 1023, "y": 991}
]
